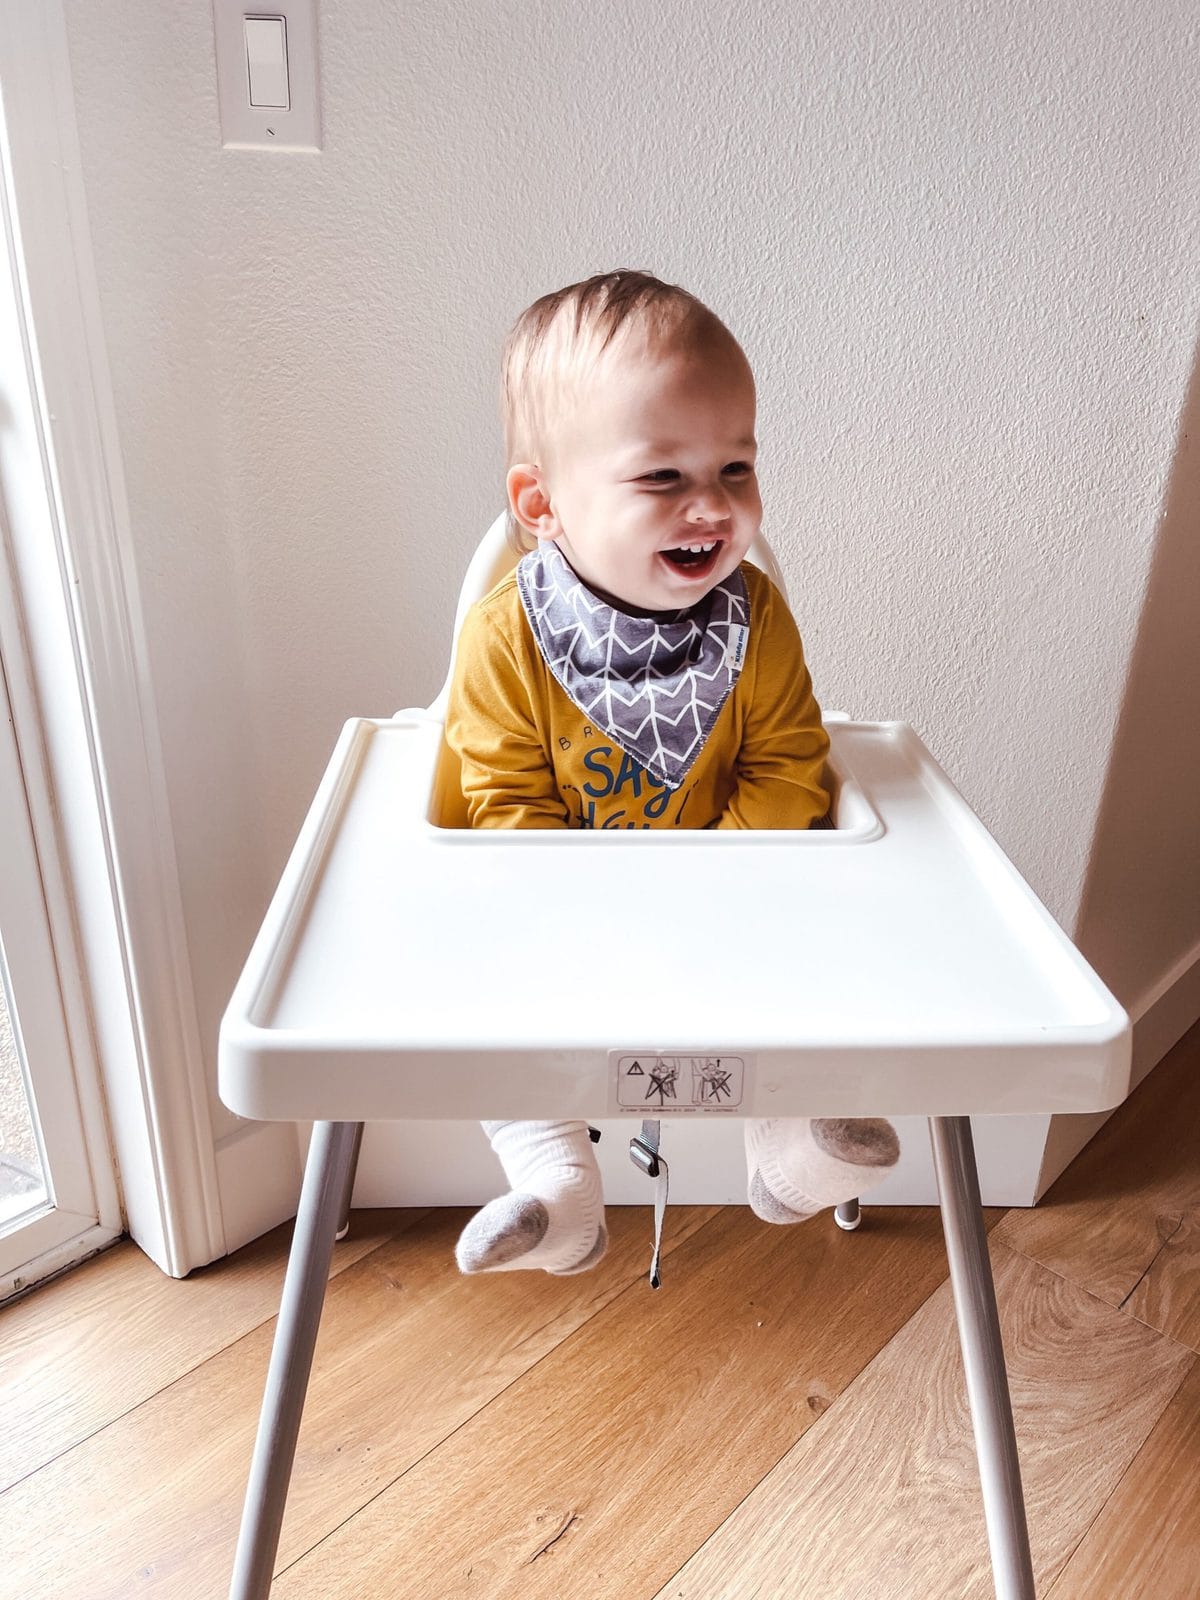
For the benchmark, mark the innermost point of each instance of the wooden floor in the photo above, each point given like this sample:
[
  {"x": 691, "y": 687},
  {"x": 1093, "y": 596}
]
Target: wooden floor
[{"x": 786, "y": 1417}]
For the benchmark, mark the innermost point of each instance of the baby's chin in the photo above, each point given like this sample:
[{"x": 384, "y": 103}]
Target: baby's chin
[
  {"x": 670, "y": 586},
  {"x": 653, "y": 600}
]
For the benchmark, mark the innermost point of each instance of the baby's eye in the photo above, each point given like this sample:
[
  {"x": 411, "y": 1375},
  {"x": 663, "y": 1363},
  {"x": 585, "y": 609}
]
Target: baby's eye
[
  {"x": 661, "y": 475},
  {"x": 738, "y": 469}
]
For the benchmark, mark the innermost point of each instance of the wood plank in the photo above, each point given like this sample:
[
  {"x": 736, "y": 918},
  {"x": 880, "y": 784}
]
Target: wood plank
[
  {"x": 1146, "y": 1541},
  {"x": 409, "y": 1351},
  {"x": 132, "y": 1331},
  {"x": 616, "y": 1456},
  {"x": 882, "y": 1499},
  {"x": 1106, "y": 1219},
  {"x": 1168, "y": 1296}
]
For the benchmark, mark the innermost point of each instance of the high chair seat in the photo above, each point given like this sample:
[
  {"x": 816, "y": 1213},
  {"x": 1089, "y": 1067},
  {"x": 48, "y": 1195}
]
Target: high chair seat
[{"x": 893, "y": 964}]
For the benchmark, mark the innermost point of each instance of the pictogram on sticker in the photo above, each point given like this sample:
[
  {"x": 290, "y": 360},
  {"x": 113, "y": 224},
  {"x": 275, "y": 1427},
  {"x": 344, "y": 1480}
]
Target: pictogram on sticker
[{"x": 676, "y": 1085}]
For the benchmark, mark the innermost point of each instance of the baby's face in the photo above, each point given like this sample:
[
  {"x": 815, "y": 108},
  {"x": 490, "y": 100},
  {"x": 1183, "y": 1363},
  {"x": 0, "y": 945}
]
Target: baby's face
[{"x": 652, "y": 483}]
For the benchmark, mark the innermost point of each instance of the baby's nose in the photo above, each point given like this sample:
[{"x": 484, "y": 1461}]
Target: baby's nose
[{"x": 709, "y": 505}]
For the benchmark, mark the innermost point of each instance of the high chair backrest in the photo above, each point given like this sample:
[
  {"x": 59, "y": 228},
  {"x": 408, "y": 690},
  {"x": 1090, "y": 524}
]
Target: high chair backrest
[{"x": 494, "y": 557}]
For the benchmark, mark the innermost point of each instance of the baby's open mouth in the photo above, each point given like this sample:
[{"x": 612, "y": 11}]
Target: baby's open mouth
[{"x": 692, "y": 557}]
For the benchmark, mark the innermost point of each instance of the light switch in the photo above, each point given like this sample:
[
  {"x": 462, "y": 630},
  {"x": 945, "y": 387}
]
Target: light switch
[
  {"x": 268, "y": 78},
  {"x": 266, "y": 60}
]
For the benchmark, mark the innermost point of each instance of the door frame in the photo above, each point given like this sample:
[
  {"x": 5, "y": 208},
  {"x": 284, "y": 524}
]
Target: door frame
[{"x": 90, "y": 702}]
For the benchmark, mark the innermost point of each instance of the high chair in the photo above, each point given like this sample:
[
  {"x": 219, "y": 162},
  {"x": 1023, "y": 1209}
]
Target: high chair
[{"x": 929, "y": 981}]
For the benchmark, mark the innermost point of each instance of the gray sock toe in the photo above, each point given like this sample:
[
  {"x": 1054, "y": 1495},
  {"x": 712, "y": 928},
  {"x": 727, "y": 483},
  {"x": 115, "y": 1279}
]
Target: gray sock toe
[
  {"x": 866, "y": 1141},
  {"x": 507, "y": 1227}
]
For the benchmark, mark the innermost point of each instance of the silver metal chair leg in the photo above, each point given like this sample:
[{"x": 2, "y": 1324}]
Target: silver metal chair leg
[
  {"x": 983, "y": 1356},
  {"x": 322, "y": 1198},
  {"x": 344, "y": 1214}
]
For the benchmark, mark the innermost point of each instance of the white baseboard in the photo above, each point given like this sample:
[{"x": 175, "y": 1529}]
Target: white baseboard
[
  {"x": 1165, "y": 1014},
  {"x": 1160, "y": 1019},
  {"x": 450, "y": 1163},
  {"x": 258, "y": 1174}
]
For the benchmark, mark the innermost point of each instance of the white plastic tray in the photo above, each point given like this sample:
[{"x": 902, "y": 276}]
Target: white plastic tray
[{"x": 895, "y": 965}]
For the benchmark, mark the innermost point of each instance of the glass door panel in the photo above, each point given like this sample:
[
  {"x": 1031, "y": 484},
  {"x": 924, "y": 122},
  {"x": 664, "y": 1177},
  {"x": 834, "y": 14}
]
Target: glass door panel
[
  {"x": 22, "y": 1170},
  {"x": 49, "y": 1214}
]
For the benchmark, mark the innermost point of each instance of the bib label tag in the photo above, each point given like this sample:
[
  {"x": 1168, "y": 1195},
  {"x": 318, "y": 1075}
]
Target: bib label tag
[
  {"x": 652, "y": 1083},
  {"x": 735, "y": 652}
]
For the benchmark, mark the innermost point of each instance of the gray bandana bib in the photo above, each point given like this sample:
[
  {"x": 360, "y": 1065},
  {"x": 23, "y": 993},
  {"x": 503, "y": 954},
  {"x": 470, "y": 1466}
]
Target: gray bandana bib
[{"x": 655, "y": 685}]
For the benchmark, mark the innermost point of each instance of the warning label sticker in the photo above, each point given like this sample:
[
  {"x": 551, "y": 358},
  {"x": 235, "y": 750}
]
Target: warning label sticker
[{"x": 652, "y": 1083}]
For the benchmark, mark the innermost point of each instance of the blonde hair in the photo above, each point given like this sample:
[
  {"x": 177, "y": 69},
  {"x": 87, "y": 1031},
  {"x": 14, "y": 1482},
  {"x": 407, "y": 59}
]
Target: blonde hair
[{"x": 555, "y": 344}]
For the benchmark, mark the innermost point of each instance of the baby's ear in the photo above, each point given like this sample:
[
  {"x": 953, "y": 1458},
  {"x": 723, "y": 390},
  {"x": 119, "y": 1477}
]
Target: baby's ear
[{"x": 529, "y": 501}]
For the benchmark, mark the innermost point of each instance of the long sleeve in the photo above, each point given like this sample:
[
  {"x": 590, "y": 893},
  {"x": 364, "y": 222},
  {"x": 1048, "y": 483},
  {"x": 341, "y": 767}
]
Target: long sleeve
[
  {"x": 492, "y": 727},
  {"x": 781, "y": 762}
]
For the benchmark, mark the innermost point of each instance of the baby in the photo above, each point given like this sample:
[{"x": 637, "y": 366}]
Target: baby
[{"x": 636, "y": 672}]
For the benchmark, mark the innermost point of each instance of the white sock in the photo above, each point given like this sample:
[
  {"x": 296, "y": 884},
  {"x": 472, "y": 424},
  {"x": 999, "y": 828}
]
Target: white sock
[
  {"x": 798, "y": 1166},
  {"x": 553, "y": 1217}
]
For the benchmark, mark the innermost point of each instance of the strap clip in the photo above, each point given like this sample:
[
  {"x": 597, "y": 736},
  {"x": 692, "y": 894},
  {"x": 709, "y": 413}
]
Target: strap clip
[
  {"x": 644, "y": 1153},
  {"x": 645, "y": 1159}
]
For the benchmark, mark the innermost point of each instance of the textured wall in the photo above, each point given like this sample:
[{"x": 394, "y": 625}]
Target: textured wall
[{"x": 958, "y": 242}]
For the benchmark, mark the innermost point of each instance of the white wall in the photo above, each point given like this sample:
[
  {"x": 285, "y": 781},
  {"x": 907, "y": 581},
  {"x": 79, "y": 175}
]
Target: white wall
[{"x": 958, "y": 243}]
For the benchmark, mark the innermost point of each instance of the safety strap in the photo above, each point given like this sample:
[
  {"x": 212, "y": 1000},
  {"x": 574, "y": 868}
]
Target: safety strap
[{"x": 643, "y": 1152}]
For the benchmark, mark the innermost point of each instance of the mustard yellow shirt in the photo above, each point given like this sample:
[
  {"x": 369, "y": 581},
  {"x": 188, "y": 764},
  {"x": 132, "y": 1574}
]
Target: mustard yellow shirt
[{"x": 530, "y": 758}]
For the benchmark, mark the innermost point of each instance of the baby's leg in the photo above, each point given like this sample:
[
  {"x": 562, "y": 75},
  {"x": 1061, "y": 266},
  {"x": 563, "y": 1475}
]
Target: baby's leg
[
  {"x": 553, "y": 1216},
  {"x": 797, "y": 1167}
]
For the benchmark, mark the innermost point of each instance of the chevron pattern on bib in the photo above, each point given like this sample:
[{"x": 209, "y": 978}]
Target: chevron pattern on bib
[{"x": 654, "y": 685}]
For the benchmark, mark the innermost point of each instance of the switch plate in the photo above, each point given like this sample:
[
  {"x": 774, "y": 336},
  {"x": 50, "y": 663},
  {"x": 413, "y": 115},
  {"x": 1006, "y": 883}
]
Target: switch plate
[{"x": 244, "y": 30}]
